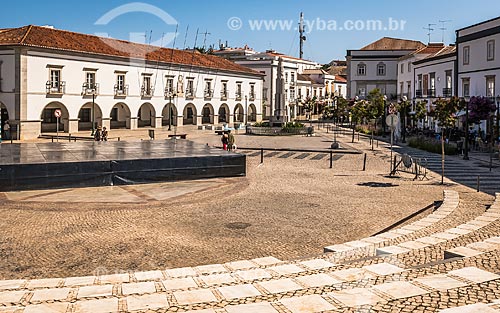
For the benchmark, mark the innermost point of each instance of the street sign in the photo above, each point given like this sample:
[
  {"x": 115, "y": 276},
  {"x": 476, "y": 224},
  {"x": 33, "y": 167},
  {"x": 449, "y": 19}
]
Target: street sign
[
  {"x": 57, "y": 113},
  {"x": 392, "y": 121}
]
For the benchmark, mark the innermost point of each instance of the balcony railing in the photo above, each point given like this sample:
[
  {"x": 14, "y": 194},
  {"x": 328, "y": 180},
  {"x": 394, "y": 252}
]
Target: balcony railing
[
  {"x": 169, "y": 92},
  {"x": 223, "y": 95},
  {"x": 208, "y": 94},
  {"x": 121, "y": 91},
  {"x": 55, "y": 87},
  {"x": 147, "y": 92},
  {"x": 431, "y": 93},
  {"x": 190, "y": 94},
  {"x": 447, "y": 92},
  {"x": 89, "y": 89},
  {"x": 251, "y": 97},
  {"x": 418, "y": 93},
  {"x": 238, "y": 96}
]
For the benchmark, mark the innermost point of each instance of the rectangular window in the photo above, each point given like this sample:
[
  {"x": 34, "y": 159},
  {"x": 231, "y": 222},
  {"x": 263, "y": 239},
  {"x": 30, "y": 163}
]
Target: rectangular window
[
  {"x": 208, "y": 89},
  {"x": 286, "y": 78},
  {"x": 361, "y": 69},
  {"x": 362, "y": 91},
  {"x": 381, "y": 69},
  {"x": 90, "y": 79},
  {"x": 419, "y": 83},
  {"x": 252, "y": 92},
  {"x": 55, "y": 78},
  {"x": 292, "y": 77},
  {"x": 190, "y": 88},
  {"x": 223, "y": 92},
  {"x": 120, "y": 83},
  {"x": 491, "y": 50},
  {"x": 402, "y": 68},
  {"x": 147, "y": 90},
  {"x": 409, "y": 67},
  {"x": 238, "y": 91},
  {"x": 490, "y": 86},
  {"x": 466, "y": 56},
  {"x": 425, "y": 84},
  {"x": 169, "y": 86},
  {"x": 465, "y": 87}
]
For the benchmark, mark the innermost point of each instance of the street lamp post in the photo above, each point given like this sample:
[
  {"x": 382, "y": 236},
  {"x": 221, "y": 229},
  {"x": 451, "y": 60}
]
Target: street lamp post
[
  {"x": 384, "y": 125},
  {"x": 170, "y": 110},
  {"x": 403, "y": 126},
  {"x": 246, "y": 110},
  {"x": 93, "y": 111},
  {"x": 466, "y": 143}
]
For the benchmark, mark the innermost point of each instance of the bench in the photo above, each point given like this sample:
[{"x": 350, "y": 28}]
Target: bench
[{"x": 178, "y": 136}]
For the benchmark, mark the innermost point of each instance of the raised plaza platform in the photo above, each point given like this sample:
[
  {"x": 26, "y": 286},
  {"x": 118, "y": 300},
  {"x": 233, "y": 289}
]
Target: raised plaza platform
[{"x": 84, "y": 164}]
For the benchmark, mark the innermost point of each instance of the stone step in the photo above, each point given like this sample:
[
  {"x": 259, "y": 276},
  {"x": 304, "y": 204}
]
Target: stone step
[{"x": 449, "y": 205}]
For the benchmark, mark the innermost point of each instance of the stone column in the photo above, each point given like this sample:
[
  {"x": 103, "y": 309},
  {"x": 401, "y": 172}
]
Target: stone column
[
  {"x": 199, "y": 120},
  {"x": 180, "y": 120},
  {"x": 72, "y": 126},
  {"x": 216, "y": 119},
  {"x": 133, "y": 123},
  {"x": 158, "y": 122},
  {"x": 106, "y": 122},
  {"x": 29, "y": 130}
]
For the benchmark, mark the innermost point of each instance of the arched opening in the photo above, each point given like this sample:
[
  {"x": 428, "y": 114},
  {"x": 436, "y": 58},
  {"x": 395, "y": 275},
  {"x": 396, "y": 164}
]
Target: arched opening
[
  {"x": 49, "y": 120},
  {"x": 88, "y": 113},
  {"x": 252, "y": 113},
  {"x": 189, "y": 115},
  {"x": 224, "y": 114},
  {"x": 239, "y": 114},
  {"x": 169, "y": 114},
  {"x": 120, "y": 116},
  {"x": 146, "y": 115},
  {"x": 4, "y": 117},
  {"x": 207, "y": 114}
]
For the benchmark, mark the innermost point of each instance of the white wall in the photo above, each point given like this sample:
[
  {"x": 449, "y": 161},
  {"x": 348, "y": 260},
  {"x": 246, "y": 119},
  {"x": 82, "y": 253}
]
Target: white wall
[
  {"x": 74, "y": 75},
  {"x": 439, "y": 67},
  {"x": 7, "y": 74}
]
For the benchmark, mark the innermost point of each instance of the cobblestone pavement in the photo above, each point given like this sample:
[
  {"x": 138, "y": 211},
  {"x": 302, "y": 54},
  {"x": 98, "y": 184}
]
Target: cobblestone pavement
[{"x": 290, "y": 208}]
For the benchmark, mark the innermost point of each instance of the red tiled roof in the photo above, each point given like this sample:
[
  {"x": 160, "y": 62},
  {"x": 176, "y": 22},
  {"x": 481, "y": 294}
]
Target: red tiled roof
[
  {"x": 387, "y": 43},
  {"x": 340, "y": 79},
  {"x": 43, "y": 37}
]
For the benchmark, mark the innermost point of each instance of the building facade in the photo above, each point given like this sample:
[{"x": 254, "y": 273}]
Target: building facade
[
  {"x": 478, "y": 59},
  {"x": 376, "y": 66},
  {"x": 97, "y": 81}
]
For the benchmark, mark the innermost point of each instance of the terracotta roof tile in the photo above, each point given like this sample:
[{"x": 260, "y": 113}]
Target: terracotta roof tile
[
  {"x": 387, "y": 43},
  {"x": 340, "y": 79},
  {"x": 43, "y": 37}
]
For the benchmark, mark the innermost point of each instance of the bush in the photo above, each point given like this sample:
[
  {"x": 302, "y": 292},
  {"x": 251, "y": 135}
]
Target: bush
[
  {"x": 432, "y": 145},
  {"x": 293, "y": 125},
  {"x": 262, "y": 124}
]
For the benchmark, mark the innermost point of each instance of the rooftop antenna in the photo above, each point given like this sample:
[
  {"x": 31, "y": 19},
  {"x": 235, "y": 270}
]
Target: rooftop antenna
[
  {"x": 429, "y": 30},
  {"x": 443, "y": 27},
  {"x": 301, "y": 33}
]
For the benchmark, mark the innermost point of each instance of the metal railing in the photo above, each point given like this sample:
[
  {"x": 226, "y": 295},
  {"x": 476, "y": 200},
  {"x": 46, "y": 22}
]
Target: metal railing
[
  {"x": 121, "y": 91},
  {"x": 147, "y": 91},
  {"x": 223, "y": 95},
  {"x": 55, "y": 87},
  {"x": 431, "y": 93},
  {"x": 447, "y": 92},
  {"x": 407, "y": 164},
  {"x": 89, "y": 89}
]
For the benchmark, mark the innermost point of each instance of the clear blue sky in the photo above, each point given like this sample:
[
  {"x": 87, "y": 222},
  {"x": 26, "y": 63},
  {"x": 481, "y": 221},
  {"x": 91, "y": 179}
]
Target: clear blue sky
[{"x": 212, "y": 16}]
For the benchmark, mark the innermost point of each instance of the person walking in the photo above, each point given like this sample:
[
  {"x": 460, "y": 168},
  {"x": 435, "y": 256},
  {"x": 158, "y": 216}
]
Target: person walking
[
  {"x": 230, "y": 141},
  {"x": 97, "y": 134},
  {"x": 6, "y": 130},
  {"x": 104, "y": 134},
  {"x": 225, "y": 140}
]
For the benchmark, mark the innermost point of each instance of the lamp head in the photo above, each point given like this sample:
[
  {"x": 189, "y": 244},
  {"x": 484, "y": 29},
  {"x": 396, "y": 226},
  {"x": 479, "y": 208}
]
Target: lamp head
[
  {"x": 404, "y": 99},
  {"x": 385, "y": 98}
]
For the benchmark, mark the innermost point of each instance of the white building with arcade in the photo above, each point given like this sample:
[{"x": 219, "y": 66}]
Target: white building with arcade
[{"x": 99, "y": 81}]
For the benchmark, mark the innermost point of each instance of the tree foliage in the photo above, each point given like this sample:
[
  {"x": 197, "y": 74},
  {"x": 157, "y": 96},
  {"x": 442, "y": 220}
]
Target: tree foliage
[
  {"x": 480, "y": 108},
  {"x": 445, "y": 111}
]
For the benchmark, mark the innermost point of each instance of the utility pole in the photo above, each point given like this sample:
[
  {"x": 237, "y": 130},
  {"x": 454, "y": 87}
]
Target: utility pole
[
  {"x": 301, "y": 33},
  {"x": 429, "y": 30}
]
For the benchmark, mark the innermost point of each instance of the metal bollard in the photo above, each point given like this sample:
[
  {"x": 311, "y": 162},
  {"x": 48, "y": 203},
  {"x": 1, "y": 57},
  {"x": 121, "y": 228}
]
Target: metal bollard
[
  {"x": 478, "y": 183},
  {"x": 261, "y": 156},
  {"x": 364, "y": 163},
  {"x": 331, "y": 159}
]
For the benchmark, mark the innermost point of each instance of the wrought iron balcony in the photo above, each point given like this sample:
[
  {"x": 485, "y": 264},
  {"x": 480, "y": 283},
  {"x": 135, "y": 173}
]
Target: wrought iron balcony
[
  {"x": 169, "y": 92},
  {"x": 190, "y": 94},
  {"x": 418, "y": 93},
  {"x": 431, "y": 93},
  {"x": 55, "y": 87},
  {"x": 251, "y": 97},
  {"x": 147, "y": 92},
  {"x": 223, "y": 95},
  {"x": 447, "y": 92},
  {"x": 238, "y": 96},
  {"x": 121, "y": 91},
  {"x": 208, "y": 94},
  {"x": 89, "y": 89}
]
